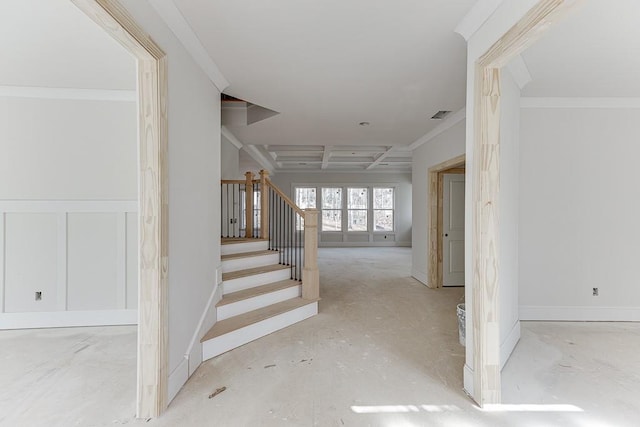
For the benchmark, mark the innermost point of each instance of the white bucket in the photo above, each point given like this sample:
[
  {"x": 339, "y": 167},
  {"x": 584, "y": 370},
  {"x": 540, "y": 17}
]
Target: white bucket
[{"x": 461, "y": 324}]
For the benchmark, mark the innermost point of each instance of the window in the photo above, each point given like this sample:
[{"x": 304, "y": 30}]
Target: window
[
  {"x": 383, "y": 209},
  {"x": 357, "y": 205},
  {"x": 332, "y": 209},
  {"x": 306, "y": 197}
]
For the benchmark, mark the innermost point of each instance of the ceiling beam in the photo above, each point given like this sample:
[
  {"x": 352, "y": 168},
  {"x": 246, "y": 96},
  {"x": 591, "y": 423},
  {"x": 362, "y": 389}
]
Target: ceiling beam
[
  {"x": 172, "y": 16},
  {"x": 447, "y": 123},
  {"x": 380, "y": 158},
  {"x": 231, "y": 137},
  {"x": 477, "y": 16},
  {"x": 326, "y": 155}
]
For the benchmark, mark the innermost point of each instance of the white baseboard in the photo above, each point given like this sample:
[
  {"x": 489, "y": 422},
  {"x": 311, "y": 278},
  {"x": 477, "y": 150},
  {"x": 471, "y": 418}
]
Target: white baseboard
[
  {"x": 65, "y": 319},
  {"x": 363, "y": 244},
  {"x": 420, "y": 276},
  {"x": 193, "y": 355},
  {"x": 467, "y": 375},
  {"x": 580, "y": 314},
  {"x": 178, "y": 378},
  {"x": 509, "y": 344}
]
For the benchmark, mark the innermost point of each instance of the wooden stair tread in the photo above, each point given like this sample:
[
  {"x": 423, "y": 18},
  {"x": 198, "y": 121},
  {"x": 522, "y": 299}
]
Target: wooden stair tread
[
  {"x": 253, "y": 271},
  {"x": 237, "y": 322},
  {"x": 247, "y": 254},
  {"x": 258, "y": 290},
  {"x": 233, "y": 240}
]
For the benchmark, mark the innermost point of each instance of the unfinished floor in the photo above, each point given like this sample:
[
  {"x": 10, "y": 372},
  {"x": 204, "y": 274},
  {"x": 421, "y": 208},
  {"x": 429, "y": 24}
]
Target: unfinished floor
[{"x": 382, "y": 352}]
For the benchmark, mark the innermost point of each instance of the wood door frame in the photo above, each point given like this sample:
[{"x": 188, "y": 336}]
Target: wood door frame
[
  {"x": 152, "y": 355},
  {"x": 435, "y": 217},
  {"x": 485, "y": 175}
]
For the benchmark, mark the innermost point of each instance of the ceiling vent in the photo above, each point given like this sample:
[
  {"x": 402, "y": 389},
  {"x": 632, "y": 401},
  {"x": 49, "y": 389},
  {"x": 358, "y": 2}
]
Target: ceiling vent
[{"x": 440, "y": 115}]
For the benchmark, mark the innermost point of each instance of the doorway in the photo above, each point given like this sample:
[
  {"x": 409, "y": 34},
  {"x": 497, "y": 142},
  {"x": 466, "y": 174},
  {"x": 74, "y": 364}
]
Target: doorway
[{"x": 446, "y": 232}]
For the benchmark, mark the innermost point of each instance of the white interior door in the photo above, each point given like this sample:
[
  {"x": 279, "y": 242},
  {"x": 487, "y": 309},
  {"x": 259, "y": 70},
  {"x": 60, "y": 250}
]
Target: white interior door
[{"x": 453, "y": 230}]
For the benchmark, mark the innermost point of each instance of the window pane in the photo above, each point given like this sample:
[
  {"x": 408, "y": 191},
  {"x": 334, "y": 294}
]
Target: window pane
[
  {"x": 357, "y": 220},
  {"x": 331, "y": 220},
  {"x": 383, "y": 220},
  {"x": 383, "y": 198},
  {"x": 306, "y": 198},
  {"x": 332, "y": 198},
  {"x": 357, "y": 198}
]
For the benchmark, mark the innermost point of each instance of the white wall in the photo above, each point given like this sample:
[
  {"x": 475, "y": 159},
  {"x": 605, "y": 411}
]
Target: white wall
[
  {"x": 579, "y": 210},
  {"x": 508, "y": 214},
  {"x": 443, "y": 147},
  {"x": 48, "y": 144},
  {"x": 194, "y": 197},
  {"x": 403, "y": 223},
  {"x": 68, "y": 191},
  {"x": 229, "y": 160}
]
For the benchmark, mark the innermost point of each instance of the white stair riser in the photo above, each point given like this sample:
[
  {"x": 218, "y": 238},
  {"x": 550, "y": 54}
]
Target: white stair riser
[
  {"x": 259, "y": 301},
  {"x": 249, "y": 262},
  {"x": 247, "y": 282},
  {"x": 236, "y": 248},
  {"x": 226, "y": 342}
]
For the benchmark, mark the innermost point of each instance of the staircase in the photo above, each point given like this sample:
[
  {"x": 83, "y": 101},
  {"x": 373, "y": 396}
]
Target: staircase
[{"x": 269, "y": 274}]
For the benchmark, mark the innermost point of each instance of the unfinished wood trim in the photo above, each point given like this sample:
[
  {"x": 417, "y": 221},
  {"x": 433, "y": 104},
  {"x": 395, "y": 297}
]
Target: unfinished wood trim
[
  {"x": 454, "y": 171},
  {"x": 152, "y": 369},
  {"x": 264, "y": 205},
  {"x": 310, "y": 272},
  {"x": 485, "y": 178},
  {"x": 287, "y": 200},
  {"x": 435, "y": 219}
]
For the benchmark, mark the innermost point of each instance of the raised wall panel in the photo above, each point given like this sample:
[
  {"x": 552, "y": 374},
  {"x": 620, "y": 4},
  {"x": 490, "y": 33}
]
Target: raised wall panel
[
  {"x": 384, "y": 237},
  {"x": 31, "y": 262},
  {"x": 132, "y": 261},
  {"x": 331, "y": 237},
  {"x": 92, "y": 261},
  {"x": 358, "y": 238}
]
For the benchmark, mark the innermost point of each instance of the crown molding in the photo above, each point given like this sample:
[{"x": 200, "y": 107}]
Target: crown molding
[
  {"x": 448, "y": 123},
  {"x": 477, "y": 16},
  {"x": 174, "y": 19},
  {"x": 558, "y": 102},
  {"x": 68, "y": 93}
]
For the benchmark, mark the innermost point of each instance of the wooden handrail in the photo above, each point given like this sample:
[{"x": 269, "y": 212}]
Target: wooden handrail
[
  {"x": 285, "y": 198},
  {"x": 232, "y": 181}
]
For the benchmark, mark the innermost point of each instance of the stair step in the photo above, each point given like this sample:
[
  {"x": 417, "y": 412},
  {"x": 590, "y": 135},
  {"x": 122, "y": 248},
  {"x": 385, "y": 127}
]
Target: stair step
[
  {"x": 234, "y": 246},
  {"x": 253, "y": 271},
  {"x": 233, "y": 240},
  {"x": 246, "y": 254},
  {"x": 258, "y": 290},
  {"x": 238, "y": 322}
]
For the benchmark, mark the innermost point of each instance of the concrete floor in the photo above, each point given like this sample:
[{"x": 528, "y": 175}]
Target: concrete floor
[{"x": 382, "y": 352}]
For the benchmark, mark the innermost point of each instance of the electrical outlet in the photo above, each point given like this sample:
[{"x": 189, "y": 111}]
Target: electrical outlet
[
  {"x": 38, "y": 295},
  {"x": 595, "y": 292}
]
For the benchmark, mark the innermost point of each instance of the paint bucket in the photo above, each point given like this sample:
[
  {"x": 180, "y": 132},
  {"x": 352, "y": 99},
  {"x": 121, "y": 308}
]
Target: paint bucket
[{"x": 461, "y": 324}]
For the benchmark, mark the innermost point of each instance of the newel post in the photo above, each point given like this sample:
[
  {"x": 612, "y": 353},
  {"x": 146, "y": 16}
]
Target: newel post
[
  {"x": 310, "y": 273},
  {"x": 248, "y": 233},
  {"x": 264, "y": 205}
]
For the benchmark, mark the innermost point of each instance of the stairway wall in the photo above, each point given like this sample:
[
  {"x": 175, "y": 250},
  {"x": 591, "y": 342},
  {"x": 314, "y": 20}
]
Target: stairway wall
[{"x": 194, "y": 193}]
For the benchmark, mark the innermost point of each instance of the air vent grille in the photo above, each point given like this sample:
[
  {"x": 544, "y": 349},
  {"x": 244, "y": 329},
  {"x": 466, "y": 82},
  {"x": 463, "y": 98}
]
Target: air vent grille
[{"x": 440, "y": 115}]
